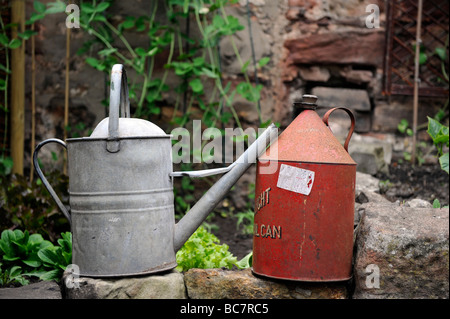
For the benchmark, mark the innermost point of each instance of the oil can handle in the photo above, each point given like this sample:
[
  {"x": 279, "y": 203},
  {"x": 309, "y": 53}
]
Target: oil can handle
[
  {"x": 352, "y": 127},
  {"x": 118, "y": 101},
  {"x": 44, "y": 180}
]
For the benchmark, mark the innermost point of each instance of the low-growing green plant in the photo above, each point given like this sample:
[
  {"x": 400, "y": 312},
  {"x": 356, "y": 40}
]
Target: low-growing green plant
[
  {"x": 203, "y": 250},
  {"x": 403, "y": 127},
  {"x": 56, "y": 258},
  {"x": 23, "y": 255},
  {"x": 28, "y": 205},
  {"x": 245, "y": 221},
  {"x": 12, "y": 276},
  {"x": 439, "y": 134},
  {"x": 245, "y": 262},
  {"x": 437, "y": 204}
]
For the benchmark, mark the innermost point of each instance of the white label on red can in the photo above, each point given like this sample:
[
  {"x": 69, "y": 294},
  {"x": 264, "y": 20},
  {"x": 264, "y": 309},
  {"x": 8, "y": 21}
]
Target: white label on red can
[{"x": 295, "y": 179}]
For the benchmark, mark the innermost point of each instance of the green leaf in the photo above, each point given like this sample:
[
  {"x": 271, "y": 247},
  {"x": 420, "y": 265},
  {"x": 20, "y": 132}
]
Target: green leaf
[
  {"x": 128, "y": 23},
  {"x": 55, "y": 7},
  {"x": 39, "y": 6},
  {"x": 210, "y": 73},
  {"x": 87, "y": 8},
  {"x": 442, "y": 53},
  {"x": 6, "y": 240},
  {"x": 107, "y": 51},
  {"x": 27, "y": 34},
  {"x": 245, "y": 262},
  {"x": 51, "y": 275},
  {"x": 196, "y": 85},
  {"x": 443, "y": 160},
  {"x": 35, "y": 17},
  {"x": 15, "y": 271},
  {"x": 422, "y": 58},
  {"x": 50, "y": 255},
  {"x": 4, "y": 39},
  {"x": 436, "y": 203},
  {"x": 263, "y": 61},
  {"x": 153, "y": 51},
  {"x": 433, "y": 128},
  {"x": 102, "y": 6},
  {"x": 8, "y": 258},
  {"x": 14, "y": 43},
  {"x": 245, "y": 66},
  {"x": 33, "y": 261}
]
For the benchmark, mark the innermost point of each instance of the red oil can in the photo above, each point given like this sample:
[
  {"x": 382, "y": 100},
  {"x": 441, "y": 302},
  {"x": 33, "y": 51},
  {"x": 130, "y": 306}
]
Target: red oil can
[{"x": 303, "y": 225}]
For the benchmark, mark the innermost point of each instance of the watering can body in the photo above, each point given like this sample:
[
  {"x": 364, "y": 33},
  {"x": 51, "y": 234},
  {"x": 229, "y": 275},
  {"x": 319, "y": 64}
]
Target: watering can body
[
  {"x": 121, "y": 193},
  {"x": 303, "y": 225}
]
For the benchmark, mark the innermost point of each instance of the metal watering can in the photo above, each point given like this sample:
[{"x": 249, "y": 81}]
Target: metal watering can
[
  {"x": 121, "y": 192},
  {"x": 303, "y": 227}
]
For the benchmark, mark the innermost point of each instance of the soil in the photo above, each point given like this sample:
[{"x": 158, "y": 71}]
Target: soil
[{"x": 404, "y": 182}]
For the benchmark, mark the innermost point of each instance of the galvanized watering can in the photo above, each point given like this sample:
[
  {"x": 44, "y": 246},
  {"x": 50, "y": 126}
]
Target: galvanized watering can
[{"x": 121, "y": 192}]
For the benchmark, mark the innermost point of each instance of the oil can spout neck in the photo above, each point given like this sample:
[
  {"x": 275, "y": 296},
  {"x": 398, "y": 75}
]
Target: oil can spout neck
[{"x": 307, "y": 102}]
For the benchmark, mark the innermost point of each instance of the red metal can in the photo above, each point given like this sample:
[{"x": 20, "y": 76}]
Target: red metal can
[{"x": 304, "y": 202}]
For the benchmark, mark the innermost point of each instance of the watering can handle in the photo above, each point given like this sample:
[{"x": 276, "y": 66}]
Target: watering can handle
[
  {"x": 118, "y": 101},
  {"x": 352, "y": 118},
  {"x": 44, "y": 180}
]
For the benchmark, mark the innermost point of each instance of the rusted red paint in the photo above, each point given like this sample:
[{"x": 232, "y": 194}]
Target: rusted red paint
[{"x": 298, "y": 236}]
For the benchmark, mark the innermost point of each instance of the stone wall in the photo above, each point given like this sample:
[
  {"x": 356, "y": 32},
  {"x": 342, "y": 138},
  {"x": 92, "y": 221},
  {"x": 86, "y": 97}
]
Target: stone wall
[{"x": 318, "y": 47}]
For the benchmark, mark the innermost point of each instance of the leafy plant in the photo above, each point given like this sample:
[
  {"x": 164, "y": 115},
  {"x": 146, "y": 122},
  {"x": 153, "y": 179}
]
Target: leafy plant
[
  {"x": 403, "y": 127},
  {"x": 28, "y": 205},
  {"x": 56, "y": 258},
  {"x": 22, "y": 248},
  {"x": 195, "y": 61},
  {"x": 437, "y": 204},
  {"x": 30, "y": 255},
  {"x": 245, "y": 221},
  {"x": 202, "y": 250},
  {"x": 245, "y": 262},
  {"x": 12, "y": 276},
  {"x": 440, "y": 135}
]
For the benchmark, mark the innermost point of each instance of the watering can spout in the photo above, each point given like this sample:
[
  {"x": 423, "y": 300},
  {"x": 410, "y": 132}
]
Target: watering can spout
[{"x": 194, "y": 217}]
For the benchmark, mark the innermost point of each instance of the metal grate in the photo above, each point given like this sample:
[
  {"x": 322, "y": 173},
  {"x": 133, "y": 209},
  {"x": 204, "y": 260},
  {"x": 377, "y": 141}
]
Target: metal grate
[{"x": 400, "y": 47}]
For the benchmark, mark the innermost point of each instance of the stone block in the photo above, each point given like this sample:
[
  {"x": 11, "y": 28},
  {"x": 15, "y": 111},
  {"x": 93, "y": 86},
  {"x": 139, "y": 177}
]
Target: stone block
[
  {"x": 351, "y": 98},
  {"x": 39, "y": 290},
  {"x": 402, "y": 253},
  {"x": 314, "y": 73},
  {"x": 344, "y": 47},
  {"x": 226, "y": 284},
  {"x": 168, "y": 285},
  {"x": 371, "y": 155}
]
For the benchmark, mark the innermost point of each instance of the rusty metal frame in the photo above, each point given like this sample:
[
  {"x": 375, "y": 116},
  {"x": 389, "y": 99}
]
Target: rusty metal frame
[{"x": 398, "y": 66}]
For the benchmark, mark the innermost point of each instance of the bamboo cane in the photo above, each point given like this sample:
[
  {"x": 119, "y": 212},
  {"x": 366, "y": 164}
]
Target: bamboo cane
[
  {"x": 18, "y": 88},
  {"x": 33, "y": 102}
]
